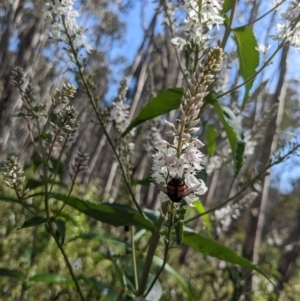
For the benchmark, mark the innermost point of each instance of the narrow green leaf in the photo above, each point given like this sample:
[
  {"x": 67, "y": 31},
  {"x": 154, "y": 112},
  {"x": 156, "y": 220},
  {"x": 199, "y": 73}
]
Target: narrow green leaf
[
  {"x": 61, "y": 230},
  {"x": 227, "y": 6},
  {"x": 179, "y": 233},
  {"x": 113, "y": 214},
  {"x": 248, "y": 56},
  {"x": 201, "y": 209},
  {"x": 234, "y": 132},
  {"x": 101, "y": 237},
  {"x": 152, "y": 215},
  {"x": 11, "y": 274},
  {"x": 158, "y": 261},
  {"x": 211, "y": 140},
  {"x": 162, "y": 103},
  {"x": 7, "y": 198},
  {"x": 213, "y": 248},
  {"x": 178, "y": 219},
  {"x": 33, "y": 221},
  {"x": 51, "y": 278},
  {"x": 156, "y": 291}
]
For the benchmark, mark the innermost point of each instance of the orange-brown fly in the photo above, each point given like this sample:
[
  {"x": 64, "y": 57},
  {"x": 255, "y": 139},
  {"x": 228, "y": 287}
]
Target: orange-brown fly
[{"x": 177, "y": 189}]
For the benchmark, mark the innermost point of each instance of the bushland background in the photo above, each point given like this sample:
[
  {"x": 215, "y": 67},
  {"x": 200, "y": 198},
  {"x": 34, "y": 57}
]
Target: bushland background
[{"x": 130, "y": 41}]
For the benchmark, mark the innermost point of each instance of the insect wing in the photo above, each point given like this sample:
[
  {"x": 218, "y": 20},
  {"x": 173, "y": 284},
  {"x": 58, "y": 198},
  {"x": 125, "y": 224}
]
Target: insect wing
[
  {"x": 191, "y": 189},
  {"x": 161, "y": 188}
]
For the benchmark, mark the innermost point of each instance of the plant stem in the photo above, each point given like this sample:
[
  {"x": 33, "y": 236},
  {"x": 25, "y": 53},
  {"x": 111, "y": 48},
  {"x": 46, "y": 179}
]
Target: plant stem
[
  {"x": 68, "y": 264},
  {"x": 255, "y": 74},
  {"x": 136, "y": 283},
  {"x": 249, "y": 183},
  {"x": 45, "y": 172},
  {"x": 153, "y": 243},
  {"x": 93, "y": 102},
  {"x": 167, "y": 248}
]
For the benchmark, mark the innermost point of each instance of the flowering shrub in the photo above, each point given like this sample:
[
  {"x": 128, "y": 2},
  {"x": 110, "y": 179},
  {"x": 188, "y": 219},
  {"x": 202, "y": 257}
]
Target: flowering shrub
[{"x": 178, "y": 170}]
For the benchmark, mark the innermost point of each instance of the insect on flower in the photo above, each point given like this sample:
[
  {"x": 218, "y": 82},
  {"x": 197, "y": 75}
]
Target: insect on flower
[{"x": 177, "y": 189}]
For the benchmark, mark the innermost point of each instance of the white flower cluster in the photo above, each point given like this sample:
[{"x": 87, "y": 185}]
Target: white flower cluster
[
  {"x": 119, "y": 113},
  {"x": 225, "y": 215},
  {"x": 289, "y": 30},
  {"x": 61, "y": 14},
  {"x": 152, "y": 135},
  {"x": 13, "y": 173},
  {"x": 202, "y": 15},
  {"x": 180, "y": 162},
  {"x": 168, "y": 165}
]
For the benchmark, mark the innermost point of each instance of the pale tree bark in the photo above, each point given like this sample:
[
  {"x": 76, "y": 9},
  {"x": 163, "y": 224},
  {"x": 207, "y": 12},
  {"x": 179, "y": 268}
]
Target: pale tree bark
[{"x": 254, "y": 234}]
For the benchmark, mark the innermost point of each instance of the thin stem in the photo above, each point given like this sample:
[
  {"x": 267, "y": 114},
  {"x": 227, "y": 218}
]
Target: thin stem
[
  {"x": 58, "y": 162},
  {"x": 45, "y": 172},
  {"x": 66, "y": 201},
  {"x": 259, "y": 18},
  {"x": 153, "y": 243},
  {"x": 165, "y": 6},
  {"x": 20, "y": 198},
  {"x": 255, "y": 74},
  {"x": 249, "y": 183},
  {"x": 136, "y": 283},
  {"x": 68, "y": 264},
  {"x": 228, "y": 27},
  {"x": 167, "y": 248},
  {"x": 92, "y": 100}
]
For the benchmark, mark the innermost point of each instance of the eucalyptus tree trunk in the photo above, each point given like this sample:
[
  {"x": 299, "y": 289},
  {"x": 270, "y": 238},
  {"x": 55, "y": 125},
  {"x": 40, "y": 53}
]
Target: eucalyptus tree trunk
[{"x": 258, "y": 209}]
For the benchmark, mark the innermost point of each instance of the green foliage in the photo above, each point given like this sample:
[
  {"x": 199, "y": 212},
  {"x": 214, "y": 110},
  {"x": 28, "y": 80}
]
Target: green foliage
[
  {"x": 33, "y": 221},
  {"x": 113, "y": 214},
  {"x": 201, "y": 209},
  {"x": 233, "y": 130},
  {"x": 248, "y": 57},
  {"x": 211, "y": 140},
  {"x": 213, "y": 248},
  {"x": 51, "y": 279},
  {"x": 162, "y": 103},
  {"x": 12, "y": 274}
]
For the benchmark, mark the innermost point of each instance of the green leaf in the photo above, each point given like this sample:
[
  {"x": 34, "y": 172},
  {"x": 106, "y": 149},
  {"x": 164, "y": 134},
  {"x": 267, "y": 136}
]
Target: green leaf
[
  {"x": 152, "y": 215},
  {"x": 12, "y": 274},
  {"x": 211, "y": 140},
  {"x": 248, "y": 56},
  {"x": 61, "y": 230},
  {"x": 213, "y": 248},
  {"x": 33, "y": 221},
  {"x": 156, "y": 291},
  {"x": 233, "y": 130},
  {"x": 7, "y": 198},
  {"x": 51, "y": 279},
  {"x": 113, "y": 214},
  {"x": 101, "y": 237},
  {"x": 202, "y": 174},
  {"x": 179, "y": 279},
  {"x": 179, "y": 233},
  {"x": 201, "y": 209},
  {"x": 179, "y": 218},
  {"x": 162, "y": 103},
  {"x": 227, "y": 6}
]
